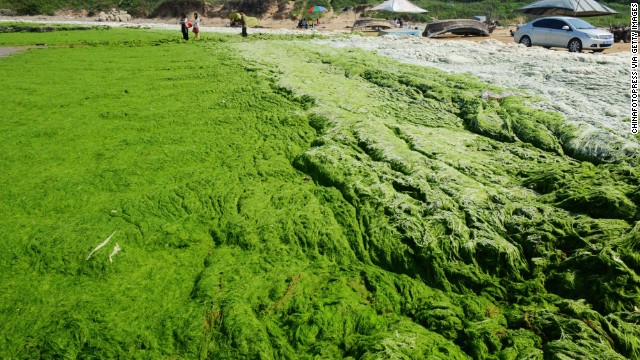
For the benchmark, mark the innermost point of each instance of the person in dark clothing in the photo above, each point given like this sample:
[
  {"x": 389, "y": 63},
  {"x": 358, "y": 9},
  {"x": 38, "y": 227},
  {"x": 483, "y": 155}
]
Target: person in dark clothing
[
  {"x": 243, "y": 21},
  {"x": 183, "y": 26}
]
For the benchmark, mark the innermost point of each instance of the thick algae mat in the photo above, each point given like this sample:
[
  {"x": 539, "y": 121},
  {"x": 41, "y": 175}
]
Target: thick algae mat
[{"x": 280, "y": 199}]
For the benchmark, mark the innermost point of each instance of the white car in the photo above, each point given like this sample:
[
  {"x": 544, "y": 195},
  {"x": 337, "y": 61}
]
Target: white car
[{"x": 563, "y": 31}]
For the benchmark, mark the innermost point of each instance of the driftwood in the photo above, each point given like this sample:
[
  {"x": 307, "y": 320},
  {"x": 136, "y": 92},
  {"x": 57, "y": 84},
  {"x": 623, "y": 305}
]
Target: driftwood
[{"x": 100, "y": 245}]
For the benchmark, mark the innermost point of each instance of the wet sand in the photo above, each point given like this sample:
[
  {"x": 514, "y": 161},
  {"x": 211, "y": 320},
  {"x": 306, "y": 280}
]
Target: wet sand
[{"x": 8, "y": 50}]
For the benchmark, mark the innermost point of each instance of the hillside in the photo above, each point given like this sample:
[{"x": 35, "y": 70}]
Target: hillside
[{"x": 497, "y": 9}]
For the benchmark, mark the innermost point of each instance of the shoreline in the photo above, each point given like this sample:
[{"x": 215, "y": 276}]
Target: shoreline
[{"x": 333, "y": 25}]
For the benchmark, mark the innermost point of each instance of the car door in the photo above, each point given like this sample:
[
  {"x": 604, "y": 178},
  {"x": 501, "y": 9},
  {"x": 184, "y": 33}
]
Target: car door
[
  {"x": 539, "y": 32},
  {"x": 557, "y": 36}
]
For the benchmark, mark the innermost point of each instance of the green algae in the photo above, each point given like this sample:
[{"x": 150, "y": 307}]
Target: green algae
[
  {"x": 280, "y": 199},
  {"x": 96, "y": 36},
  {"x": 454, "y": 207}
]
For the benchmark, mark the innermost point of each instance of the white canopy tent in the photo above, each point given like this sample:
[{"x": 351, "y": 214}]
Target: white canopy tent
[
  {"x": 577, "y": 8},
  {"x": 399, "y": 6}
]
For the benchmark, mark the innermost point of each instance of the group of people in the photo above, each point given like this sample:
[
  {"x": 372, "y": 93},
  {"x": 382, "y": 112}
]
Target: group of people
[
  {"x": 307, "y": 23},
  {"x": 185, "y": 24}
]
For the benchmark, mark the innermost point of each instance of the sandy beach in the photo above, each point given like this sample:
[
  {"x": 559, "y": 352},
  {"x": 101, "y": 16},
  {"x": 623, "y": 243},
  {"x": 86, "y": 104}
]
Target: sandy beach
[{"x": 330, "y": 24}]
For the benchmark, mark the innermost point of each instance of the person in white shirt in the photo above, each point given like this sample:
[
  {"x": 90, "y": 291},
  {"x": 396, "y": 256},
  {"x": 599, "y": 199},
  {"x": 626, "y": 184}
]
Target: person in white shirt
[{"x": 196, "y": 25}]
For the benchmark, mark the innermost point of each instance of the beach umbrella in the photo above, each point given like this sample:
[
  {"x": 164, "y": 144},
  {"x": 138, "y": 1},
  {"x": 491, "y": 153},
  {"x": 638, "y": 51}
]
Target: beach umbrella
[
  {"x": 317, "y": 9},
  {"x": 575, "y": 8},
  {"x": 399, "y": 6}
]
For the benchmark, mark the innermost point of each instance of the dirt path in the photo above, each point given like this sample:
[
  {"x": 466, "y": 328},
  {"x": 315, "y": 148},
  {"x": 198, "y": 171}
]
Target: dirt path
[{"x": 5, "y": 51}]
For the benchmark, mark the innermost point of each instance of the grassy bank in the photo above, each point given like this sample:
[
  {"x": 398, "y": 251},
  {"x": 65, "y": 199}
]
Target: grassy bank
[{"x": 274, "y": 198}]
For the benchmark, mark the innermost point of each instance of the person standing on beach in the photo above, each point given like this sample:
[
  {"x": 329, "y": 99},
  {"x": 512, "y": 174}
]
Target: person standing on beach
[
  {"x": 196, "y": 25},
  {"x": 243, "y": 21},
  {"x": 183, "y": 26}
]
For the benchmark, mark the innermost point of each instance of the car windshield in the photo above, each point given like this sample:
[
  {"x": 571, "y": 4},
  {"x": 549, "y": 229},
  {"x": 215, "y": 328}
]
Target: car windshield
[{"x": 580, "y": 24}]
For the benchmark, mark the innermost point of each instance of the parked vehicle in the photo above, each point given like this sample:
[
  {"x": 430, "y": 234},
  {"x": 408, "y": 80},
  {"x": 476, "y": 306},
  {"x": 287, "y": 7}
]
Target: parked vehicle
[
  {"x": 620, "y": 33},
  {"x": 563, "y": 31}
]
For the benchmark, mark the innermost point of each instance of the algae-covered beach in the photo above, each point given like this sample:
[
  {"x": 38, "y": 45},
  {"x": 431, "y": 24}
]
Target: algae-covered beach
[{"x": 299, "y": 197}]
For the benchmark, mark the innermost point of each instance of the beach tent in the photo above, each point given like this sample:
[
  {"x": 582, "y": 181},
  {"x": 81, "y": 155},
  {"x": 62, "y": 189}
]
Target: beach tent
[
  {"x": 399, "y": 6},
  {"x": 575, "y": 8}
]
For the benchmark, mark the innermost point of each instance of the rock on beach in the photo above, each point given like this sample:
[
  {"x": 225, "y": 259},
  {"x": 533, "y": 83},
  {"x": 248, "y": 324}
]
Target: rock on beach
[{"x": 114, "y": 16}]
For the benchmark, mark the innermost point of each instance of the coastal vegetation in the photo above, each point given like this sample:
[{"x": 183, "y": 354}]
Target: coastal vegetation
[{"x": 276, "y": 198}]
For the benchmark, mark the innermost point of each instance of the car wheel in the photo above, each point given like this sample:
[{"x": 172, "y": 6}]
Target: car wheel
[
  {"x": 627, "y": 37},
  {"x": 575, "y": 45},
  {"x": 526, "y": 41}
]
